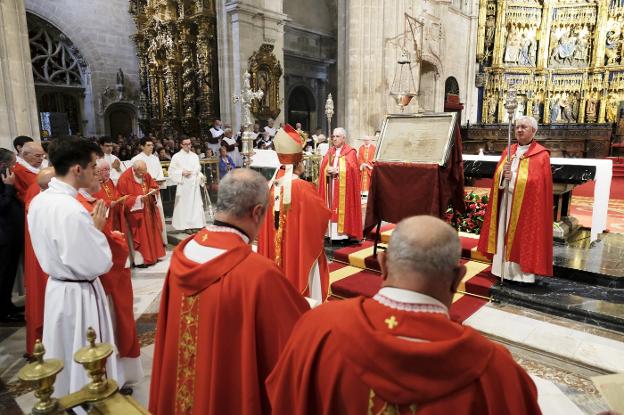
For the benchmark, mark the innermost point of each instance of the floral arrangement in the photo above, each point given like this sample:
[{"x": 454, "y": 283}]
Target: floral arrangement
[{"x": 472, "y": 220}]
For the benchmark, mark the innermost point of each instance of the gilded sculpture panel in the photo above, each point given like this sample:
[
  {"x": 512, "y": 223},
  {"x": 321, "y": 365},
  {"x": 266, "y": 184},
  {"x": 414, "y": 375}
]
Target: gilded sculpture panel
[
  {"x": 266, "y": 72},
  {"x": 176, "y": 47},
  {"x": 564, "y": 57}
]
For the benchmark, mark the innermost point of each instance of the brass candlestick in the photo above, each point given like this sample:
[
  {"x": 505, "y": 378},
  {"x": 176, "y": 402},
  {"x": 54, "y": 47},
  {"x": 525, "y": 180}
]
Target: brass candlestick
[{"x": 42, "y": 374}]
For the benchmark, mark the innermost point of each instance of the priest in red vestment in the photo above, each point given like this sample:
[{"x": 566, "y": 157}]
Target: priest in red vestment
[
  {"x": 296, "y": 220},
  {"x": 366, "y": 156},
  {"x": 144, "y": 218},
  {"x": 115, "y": 202},
  {"x": 528, "y": 241},
  {"x": 35, "y": 279},
  {"x": 226, "y": 312},
  {"x": 117, "y": 285},
  {"x": 27, "y": 167},
  {"x": 339, "y": 180},
  {"x": 399, "y": 352}
]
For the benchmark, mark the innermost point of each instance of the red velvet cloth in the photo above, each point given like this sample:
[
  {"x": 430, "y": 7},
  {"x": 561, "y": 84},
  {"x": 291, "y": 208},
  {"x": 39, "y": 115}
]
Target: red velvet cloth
[
  {"x": 222, "y": 326},
  {"x": 401, "y": 190},
  {"x": 345, "y": 357}
]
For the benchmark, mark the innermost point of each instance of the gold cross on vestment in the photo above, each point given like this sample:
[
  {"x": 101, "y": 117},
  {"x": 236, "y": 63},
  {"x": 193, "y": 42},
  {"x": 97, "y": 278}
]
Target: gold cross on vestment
[
  {"x": 391, "y": 322},
  {"x": 204, "y": 238}
]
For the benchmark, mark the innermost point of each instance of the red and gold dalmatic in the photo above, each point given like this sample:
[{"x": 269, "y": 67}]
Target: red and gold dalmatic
[
  {"x": 347, "y": 204},
  {"x": 221, "y": 328},
  {"x": 366, "y": 155},
  {"x": 529, "y": 239}
]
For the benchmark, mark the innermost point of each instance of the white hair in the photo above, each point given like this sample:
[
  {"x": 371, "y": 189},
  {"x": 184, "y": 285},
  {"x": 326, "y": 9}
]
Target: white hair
[
  {"x": 532, "y": 121},
  {"x": 341, "y": 131},
  {"x": 100, "y": 163},
  {"x": 240, "y": 191}
]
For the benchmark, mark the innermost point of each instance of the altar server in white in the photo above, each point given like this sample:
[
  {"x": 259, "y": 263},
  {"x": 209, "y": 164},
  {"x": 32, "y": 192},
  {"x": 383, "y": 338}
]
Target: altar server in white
[
  {"x": 154, "y": 168},
  {"x": 185, "y": 171},
  {"x": 73, "y": 251},
  {"x": 116, "y": 166}
]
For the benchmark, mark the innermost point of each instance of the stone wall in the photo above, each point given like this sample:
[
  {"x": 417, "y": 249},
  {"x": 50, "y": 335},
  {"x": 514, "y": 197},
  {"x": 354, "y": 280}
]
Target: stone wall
[
  {"x": 18, "y": 106},
  {"x": 101, "y": 30},
  {"x": 370, "y": 37}
]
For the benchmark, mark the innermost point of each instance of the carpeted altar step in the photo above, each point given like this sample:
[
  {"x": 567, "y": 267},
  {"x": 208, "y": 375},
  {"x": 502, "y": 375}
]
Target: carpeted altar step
[{"x": 349, "y": 281}]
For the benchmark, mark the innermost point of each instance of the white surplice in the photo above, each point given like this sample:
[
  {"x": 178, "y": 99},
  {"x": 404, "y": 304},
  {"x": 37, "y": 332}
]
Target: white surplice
[
  {"x": 154, "y": 168},
  {"x": 70, "y": 249},
  {"x": 114, "y": 174},
  {"x": 188, "y": 212},
  {"x": 513, "y": 271}
]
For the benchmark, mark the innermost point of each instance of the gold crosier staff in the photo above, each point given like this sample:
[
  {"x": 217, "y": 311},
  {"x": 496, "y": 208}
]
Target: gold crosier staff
[{"x": 511, "y": 103}]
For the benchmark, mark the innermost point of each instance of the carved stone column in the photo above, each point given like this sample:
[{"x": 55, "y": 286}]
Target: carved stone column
[{"x": 18, "y": 103}]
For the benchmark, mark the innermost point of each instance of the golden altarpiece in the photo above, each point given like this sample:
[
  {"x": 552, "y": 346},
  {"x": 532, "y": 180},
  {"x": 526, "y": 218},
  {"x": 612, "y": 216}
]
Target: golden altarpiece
[
  {"x": 176, "y": 47},
  {"x": 565, "y": 59}
]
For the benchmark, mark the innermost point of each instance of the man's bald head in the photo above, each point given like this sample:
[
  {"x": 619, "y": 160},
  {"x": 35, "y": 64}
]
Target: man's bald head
[
  {"x": 44, "y": 176},
  {"x": 33, "y": 153},
  {"x": 139, "y": 167},
  {"x": 423, "y": 255}
]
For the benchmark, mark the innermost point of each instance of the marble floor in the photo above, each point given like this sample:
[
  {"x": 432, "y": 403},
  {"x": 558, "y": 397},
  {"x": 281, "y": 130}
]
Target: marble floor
[{"x": 560, "y": 354}]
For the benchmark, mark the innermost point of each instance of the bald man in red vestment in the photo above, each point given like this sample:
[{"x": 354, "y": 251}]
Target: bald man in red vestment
[
  {"x": 340, "y": 177},
  {"x": 296, "y": 220},
  {"x": 144, "y": 218},
  {"x": 226, "y": 312},
  {"x": 399, "y": 351},
  {"x": 27, "y": 167},
  {"x": 117, "y": 285},
  {"x": 35, "y": 279}
]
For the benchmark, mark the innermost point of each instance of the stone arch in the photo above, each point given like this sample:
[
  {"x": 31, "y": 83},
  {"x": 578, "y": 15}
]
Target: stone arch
[
  {"x": 301, "y": 106},
  {"x": 62, "y": 78},
  {"x": 121, "y": 118},
  {"x": 451, "y": 87}
]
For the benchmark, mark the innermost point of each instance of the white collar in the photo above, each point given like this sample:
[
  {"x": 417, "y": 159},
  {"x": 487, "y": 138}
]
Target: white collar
[
  {"x": 58, "y": 186},
  {"x": 227, "y": 229},
  {"x": 408, "y": 300},
  {"x": 26, "y": 165}
]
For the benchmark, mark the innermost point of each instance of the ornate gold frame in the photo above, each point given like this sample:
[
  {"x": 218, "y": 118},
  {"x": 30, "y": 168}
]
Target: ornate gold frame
[{"x": 266, "y": 72}]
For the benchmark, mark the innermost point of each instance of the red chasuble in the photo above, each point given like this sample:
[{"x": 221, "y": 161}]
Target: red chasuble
[
  {"x": 529, "y": 240},
  {"x": 352, "y": 357},
  {"x": 366, "y": 155},
  {"x": 109, "y": 193},
  {"x": 347, "y": 202},
  {"x": 298, "y": 241},
  {"x": 144, "y": 223},
  {"x": 23, "y": 179},
  {"x": 117, "y": 284},
  {"x": 221, "y": 328},
  {"x": 35, "y": 281}
]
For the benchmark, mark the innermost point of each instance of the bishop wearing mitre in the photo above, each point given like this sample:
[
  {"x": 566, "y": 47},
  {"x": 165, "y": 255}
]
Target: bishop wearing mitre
[{"x": 296, "y": 221}]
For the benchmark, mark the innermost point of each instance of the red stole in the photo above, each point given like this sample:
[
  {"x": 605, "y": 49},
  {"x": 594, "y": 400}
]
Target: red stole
[
  {"x": 35, "y": 281},
  {"x": 23, "y": 179},
  {"x": 221, "y": 328},
  {"x": 298, "y": 242},
  {"x": 145, "y": 223},
  {"x": 117, "y": 284},
  {"x": 529, "y": 239},
  {"x": 366, "y": 155},
  {"x": 351, "y": 357},
  {"x": 116, "y": 216},
  {"x": 347, "y": 203}
]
